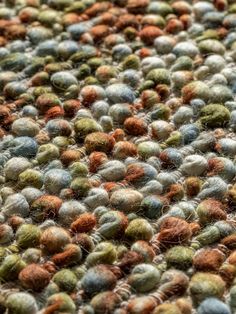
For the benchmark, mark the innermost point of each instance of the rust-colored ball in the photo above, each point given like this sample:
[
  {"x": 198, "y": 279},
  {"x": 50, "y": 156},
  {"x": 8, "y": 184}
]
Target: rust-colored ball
[
  {"x": 118, "y": 135},
  {"x": 232, "y": 258},
  {"x": 53, "y": 113},
  {"x": 14, "y": 32},
  {"x": 108, "y": 18},
  {"x": 208, "y": 260},
  {"x": 227, "y": 273},
  {"x": 230, "y": 241},
  {"x": 46, "y": 206},
  {"x": 98, "y": 32},
  {"x": 71, "y": 107},
  {"x": 71, "y": 255},
  {"x": 126, "y": 20},
  {"x": 85, "y": 223},
  {"x": 135, "y": 126},
  {"x": 149, "y": 33},
  {"x": 129, "y": 260},
  {"x": 192, "y": 186},
  {"x": 174, "y": 231},
  {"x": 98, "y": 8},
  {"x": 124, "y": 149},
  {"x": 34, "y": 277},
  {"x": 99, "y": 141},
  {"x": 69, "y": 156},
  {"x": 96, "y": 159},
  {"x": 15, "y": 222},
  {"x": 174, "y": 26},
  {"x": 175, "y": 192}
]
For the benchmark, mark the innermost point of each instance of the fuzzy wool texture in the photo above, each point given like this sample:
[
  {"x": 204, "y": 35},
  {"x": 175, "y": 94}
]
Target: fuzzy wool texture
[{"x": 117, "y": 156}]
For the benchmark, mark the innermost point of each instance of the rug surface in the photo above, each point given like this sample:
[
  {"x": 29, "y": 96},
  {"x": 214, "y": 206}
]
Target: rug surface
[{"x": 117, "y": 156}]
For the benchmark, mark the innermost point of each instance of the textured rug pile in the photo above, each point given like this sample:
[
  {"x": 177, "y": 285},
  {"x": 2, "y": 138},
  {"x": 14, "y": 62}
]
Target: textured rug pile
[{"x": 117, "y": 157}]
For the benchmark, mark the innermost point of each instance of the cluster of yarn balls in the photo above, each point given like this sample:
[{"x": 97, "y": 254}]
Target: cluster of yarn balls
[{"x": 117, "y": 156}]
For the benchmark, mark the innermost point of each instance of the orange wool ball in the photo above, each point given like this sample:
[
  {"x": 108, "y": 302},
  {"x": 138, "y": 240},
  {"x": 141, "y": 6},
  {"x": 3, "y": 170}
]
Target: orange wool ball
[
  {"x": 71, "y": 255},
  {"x": 98, "y": 8},
  {"x": 149, "y": 33},
  {"x": 135, "y": 126},
  {"x": 98, "y": 32},
  {"x": 69, "y": 156},
  {"x": 71, "y": 107},
  {"x": 54, "y": 112},
  {"x": 208, "y": 260},
  {"x": 85, "y": 223},
  {"x": 46, "y": 206},
  {"x": 174, "y": 231},
  {"x": 14, "y": 32},
  {"x": 230, "y": 241},
  {"x": 124, "y": 149},
  {"x": 126, "y": 20},
  {"x": 174, "y": 26},
  {"x": 70, "y": 18},
  {"x": 96, "y": 159},
  {"x": 118, "y": 135},
  {"x": 34, "y": 277}
]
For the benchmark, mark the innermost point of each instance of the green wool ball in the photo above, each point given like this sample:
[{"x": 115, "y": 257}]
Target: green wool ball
[
  {"x": 179, "y": 257},
  {"x": 11, "y": 267},
  {"x": 214, "y": 115},
  {"x": 21, "y": 303},
  {"x": 139, "y": 229},
  {"x": 85, "y": 126},
  {"x": 28, "y": 235},
  {"x": 205, "y": 285},
  {"x": 32, "y": 178},
  {"x": 159, "y": 76},
  {"x": 66, "y": 280}
]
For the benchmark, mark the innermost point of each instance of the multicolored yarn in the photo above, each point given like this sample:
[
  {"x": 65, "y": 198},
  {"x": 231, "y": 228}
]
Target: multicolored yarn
[{"x": 117, "y": 156}]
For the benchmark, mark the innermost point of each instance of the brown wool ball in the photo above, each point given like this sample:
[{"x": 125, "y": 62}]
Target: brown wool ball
[
  {"x": 85, "y": 223},
  {"x": 208, "y": 260},
  {"x": 84, "y": 241},
  {"x": 126, "y": 20},
  {"x": 71, "y": 107},
  {"x": 71, "y": 255},
  {"x": 105, "y": 302},
  {"x": 232, "y": 258},
  {"x": 54, "y": 239},
  {"x": 175, "y": 192},
  {"x": 118, "y": 135},
  {"x": 69, "y": 156},
  {"x": 14, "y": 32},
  {"x": 97, "y": 8},
  {"x": 149, "y": 33},
  {"x": 129, "y": 260},
  {"x": 124, "y": 149},
  {"x": 142, "y": 305},
  {"x": 230, "y": 241},
  {"x": 15, "y": 222},
  {"x": 135, "y": 126},
  {"x": 53, "y": 113},
  {"x": 174, "y": 231},
  {"x": 34, "y": 277},
  {"x": 96, "y": 159},
  {"x": 98, "y": 32},
  {"x": 99, "y": 141},
  {"x": 46, "y": 206},
  {"x": 174, "y": 26},
  {"x": 192, "y": 186},
  {"x": 210, "y": 210},
  {"x": 227, "y": 273}
]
